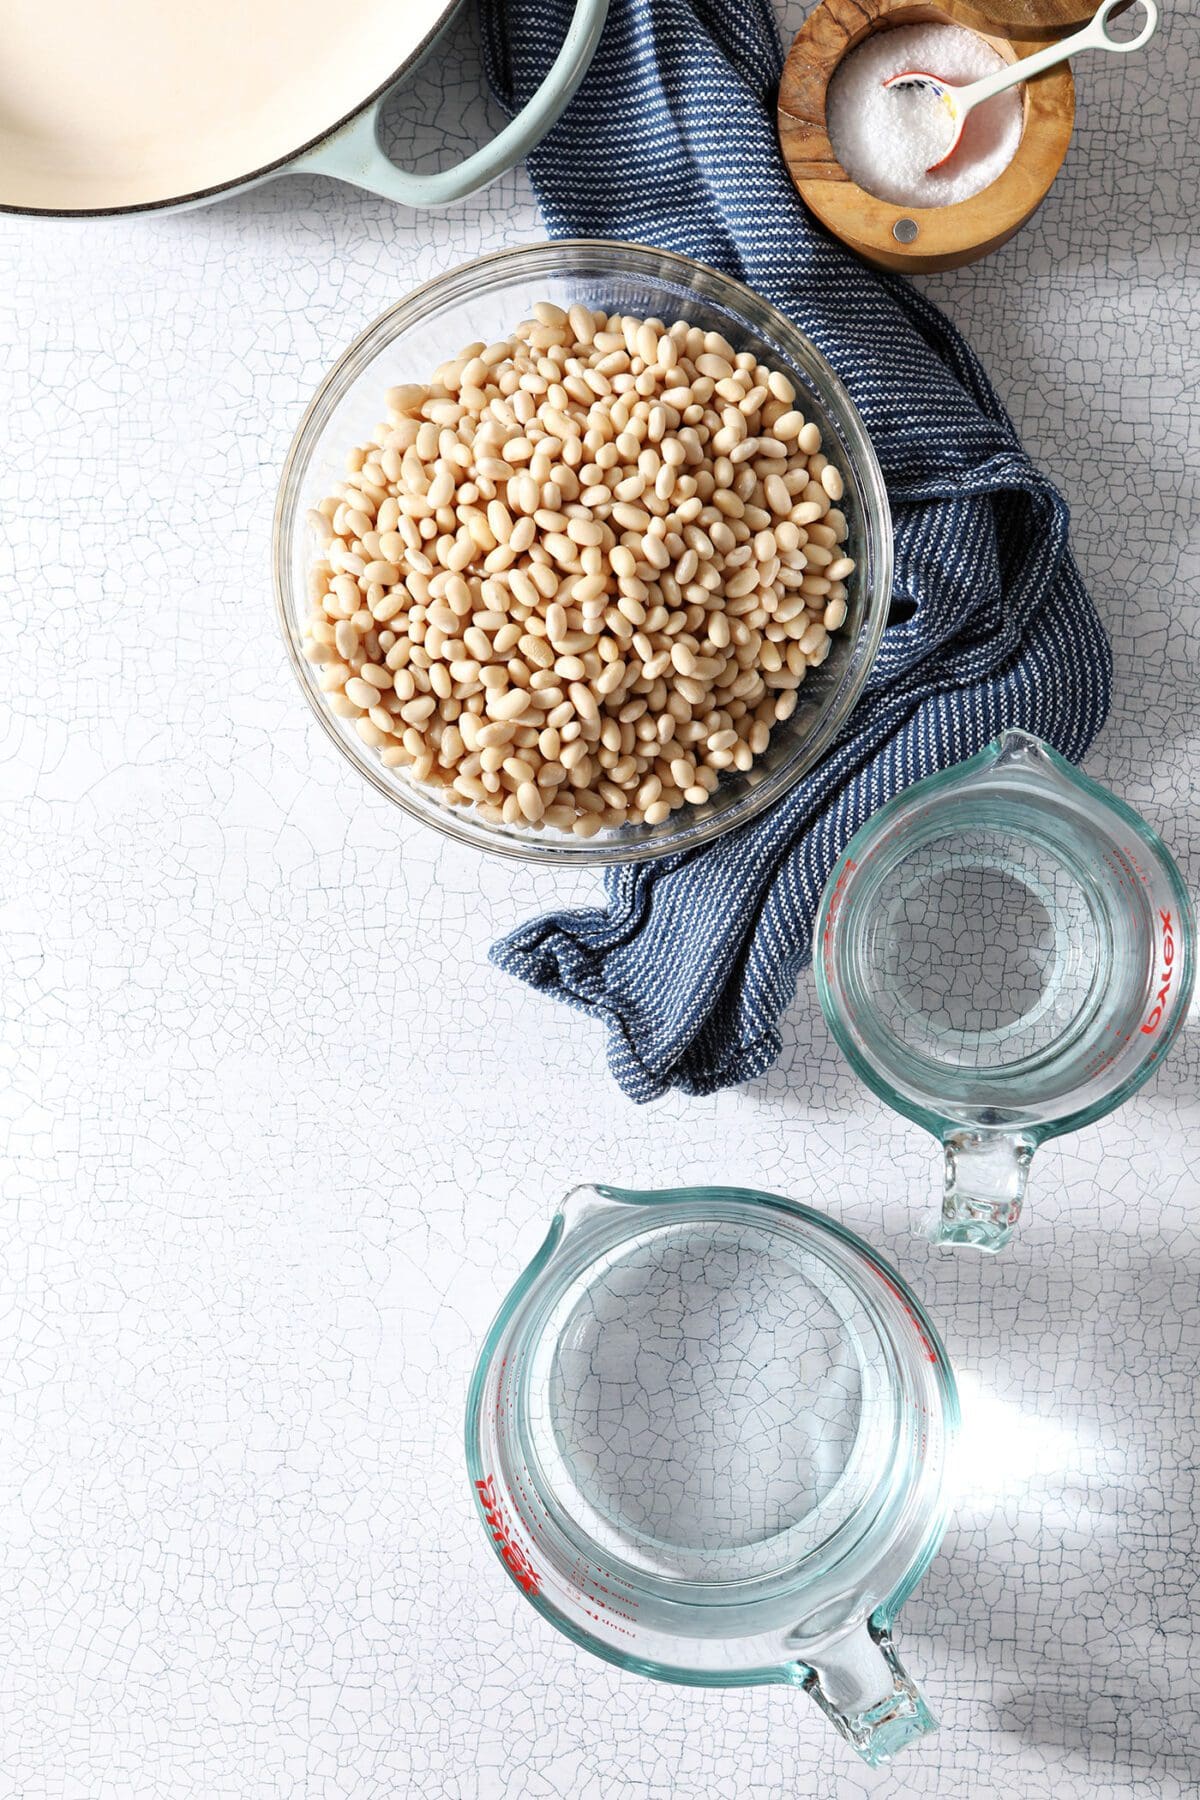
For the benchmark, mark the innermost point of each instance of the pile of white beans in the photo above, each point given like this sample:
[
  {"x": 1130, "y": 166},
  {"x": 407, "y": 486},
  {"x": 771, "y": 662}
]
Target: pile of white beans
[{"x": 580, "y": 572}]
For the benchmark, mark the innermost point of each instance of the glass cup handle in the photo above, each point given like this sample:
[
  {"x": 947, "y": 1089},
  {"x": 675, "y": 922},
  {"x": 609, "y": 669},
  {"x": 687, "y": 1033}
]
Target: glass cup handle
[
  {"x": 986, "y": 1173},
  {"x": 860, "y": 1685}
]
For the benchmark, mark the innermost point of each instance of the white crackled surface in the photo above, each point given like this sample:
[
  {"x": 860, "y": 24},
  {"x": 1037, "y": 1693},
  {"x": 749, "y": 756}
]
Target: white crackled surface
[{"x": 280, "y": 1138}]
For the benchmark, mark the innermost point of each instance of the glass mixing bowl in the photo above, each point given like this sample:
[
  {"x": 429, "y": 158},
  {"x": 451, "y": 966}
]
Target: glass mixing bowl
[{"x": 486, "y": 300}]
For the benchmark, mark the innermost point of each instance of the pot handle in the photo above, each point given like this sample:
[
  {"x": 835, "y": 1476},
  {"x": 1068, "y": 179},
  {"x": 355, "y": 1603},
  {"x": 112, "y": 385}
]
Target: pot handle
[{"x": 353, "y": 154}]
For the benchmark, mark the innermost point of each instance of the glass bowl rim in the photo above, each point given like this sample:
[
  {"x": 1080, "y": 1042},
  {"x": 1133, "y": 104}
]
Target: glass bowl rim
[{"x": 712, "y": 284}]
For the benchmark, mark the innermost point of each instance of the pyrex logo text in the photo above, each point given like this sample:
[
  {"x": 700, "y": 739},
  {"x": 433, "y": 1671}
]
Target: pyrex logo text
[
  {"x": 1168, "y": 975},
  {"x": 519, "y": 1565}
]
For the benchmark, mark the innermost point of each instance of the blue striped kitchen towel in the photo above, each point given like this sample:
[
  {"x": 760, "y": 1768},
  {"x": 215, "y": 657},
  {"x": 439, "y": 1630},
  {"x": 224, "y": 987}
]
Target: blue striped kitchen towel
[{"x": 671, "y": 141}]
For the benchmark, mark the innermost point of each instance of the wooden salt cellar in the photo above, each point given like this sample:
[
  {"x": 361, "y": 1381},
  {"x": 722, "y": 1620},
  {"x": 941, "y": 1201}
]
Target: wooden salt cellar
[{"x": 914, "y": 238}]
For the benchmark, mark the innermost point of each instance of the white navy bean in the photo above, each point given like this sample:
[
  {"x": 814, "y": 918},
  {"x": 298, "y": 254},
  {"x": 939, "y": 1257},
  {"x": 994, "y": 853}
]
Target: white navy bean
[{"x": 581, "y": 572}]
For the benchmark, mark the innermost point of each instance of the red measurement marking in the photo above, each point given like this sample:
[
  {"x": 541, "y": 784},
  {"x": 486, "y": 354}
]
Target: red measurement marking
[
  {"x": 920, "y": 1329},
  {"x": 835, "y": 904},
  {"x": 1166, "y": 975},
  {"x": 515, "y": 1559}
]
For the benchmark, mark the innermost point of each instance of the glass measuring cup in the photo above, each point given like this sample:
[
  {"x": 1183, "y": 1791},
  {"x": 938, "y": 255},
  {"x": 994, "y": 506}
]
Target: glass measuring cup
[
  {"x": 707, "y": 1435},
  {"x": 1004, "y": 953}
]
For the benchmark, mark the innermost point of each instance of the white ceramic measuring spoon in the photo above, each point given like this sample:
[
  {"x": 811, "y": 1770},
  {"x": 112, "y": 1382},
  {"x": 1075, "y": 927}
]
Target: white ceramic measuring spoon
[{"x": 959, "y": 101}]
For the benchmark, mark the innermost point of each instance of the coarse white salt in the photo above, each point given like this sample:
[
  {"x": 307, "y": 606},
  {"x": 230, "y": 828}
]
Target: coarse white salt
[{"x": 886, "y": 138}]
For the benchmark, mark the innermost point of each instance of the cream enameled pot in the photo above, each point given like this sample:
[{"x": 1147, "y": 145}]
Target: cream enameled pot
[{"x": 133, "y": 104}]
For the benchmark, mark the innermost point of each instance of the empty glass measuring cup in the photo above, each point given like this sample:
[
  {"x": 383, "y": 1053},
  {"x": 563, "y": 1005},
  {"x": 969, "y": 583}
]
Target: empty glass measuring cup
[
  {"x": 707, "y": 1435},
  {"x": 1004, "y": 952}
]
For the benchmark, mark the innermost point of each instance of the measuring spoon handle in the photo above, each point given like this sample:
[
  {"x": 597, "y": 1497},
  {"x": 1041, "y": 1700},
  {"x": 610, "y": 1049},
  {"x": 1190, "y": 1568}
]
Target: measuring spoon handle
[{"x": 1094, "y": 36}]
